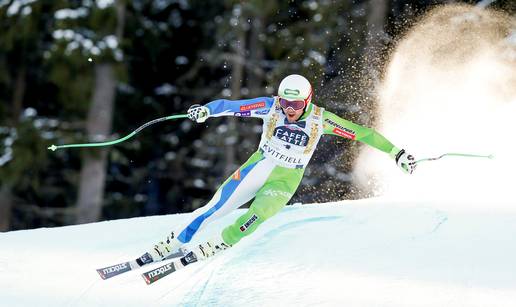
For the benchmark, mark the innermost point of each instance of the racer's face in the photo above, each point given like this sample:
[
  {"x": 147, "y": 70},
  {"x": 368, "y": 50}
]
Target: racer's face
[{"x": 292, "y": 115}]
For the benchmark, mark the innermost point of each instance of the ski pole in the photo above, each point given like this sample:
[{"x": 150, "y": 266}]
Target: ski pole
[
  {"x": 120, "y": 140},
  {"x": 455, "y": 155}
]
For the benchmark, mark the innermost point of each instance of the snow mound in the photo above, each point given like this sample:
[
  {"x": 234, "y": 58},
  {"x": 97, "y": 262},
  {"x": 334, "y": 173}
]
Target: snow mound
[{"x": 373, "y": 252}]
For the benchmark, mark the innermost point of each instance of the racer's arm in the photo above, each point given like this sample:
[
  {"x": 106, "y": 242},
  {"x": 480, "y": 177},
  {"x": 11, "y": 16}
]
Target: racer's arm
[
  {"x": 256, "y": 107},
  {"x": 336, "y": 125}
]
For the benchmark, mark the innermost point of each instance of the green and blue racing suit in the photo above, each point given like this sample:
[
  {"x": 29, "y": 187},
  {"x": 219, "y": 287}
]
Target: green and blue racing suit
[{"x": 273, "y": 173}]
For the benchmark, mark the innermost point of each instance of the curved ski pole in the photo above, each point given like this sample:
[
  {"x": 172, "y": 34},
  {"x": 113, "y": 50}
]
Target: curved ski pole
[
  {"x": 455, "y": 155},
  {"x": 120, "y": 140}
]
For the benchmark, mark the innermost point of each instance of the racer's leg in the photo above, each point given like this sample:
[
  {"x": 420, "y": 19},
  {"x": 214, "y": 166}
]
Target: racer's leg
[
  {"x": 234, "y": 192},
  {"x": 270, "y": 199}
]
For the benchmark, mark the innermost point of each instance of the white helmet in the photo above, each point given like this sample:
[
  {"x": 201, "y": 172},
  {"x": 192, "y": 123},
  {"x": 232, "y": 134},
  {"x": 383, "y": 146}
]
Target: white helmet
[{"x": 295, "y": 87}]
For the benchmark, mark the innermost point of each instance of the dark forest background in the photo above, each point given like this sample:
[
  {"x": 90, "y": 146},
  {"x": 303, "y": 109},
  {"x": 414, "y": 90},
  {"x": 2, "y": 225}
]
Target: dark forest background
[{"x": 86, "y": 71}]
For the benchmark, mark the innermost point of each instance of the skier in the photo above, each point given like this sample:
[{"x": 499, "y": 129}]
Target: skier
[{"x": 292, "y": 127}]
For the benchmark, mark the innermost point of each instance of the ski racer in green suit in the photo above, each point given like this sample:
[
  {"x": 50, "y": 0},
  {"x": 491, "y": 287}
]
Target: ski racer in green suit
[{"x": 292, "y": 127}]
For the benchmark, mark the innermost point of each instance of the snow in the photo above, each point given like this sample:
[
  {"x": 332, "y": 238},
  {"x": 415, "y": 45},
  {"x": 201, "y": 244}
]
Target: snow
[
  {"x": 375, "y": 252},
  {"x": 166, "y": 89},
  {"x": 6, "y": 154},
  {"x": 464, "y": 102},
  {"x": 71, "y": 13},
  {"x": 102, "y": 4},
  {"x": 442, "y": 237},
  {"x": 77, "y": 40},
  {"x": 18, "y": 6}
]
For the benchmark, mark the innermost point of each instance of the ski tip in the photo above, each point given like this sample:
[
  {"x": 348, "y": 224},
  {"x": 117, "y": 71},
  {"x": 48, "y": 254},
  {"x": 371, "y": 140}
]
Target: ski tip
[
  {"x": 114, "y": 270},
  {"x": 147, "y": 279},
  {"x": 104, "y": 277}
]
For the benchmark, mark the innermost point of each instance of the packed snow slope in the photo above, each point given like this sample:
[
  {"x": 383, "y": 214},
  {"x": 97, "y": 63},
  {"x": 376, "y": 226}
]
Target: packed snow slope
[{"x": 375, "y": 252}]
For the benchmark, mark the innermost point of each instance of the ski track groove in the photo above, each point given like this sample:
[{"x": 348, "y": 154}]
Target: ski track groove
[
  {"x": 73, "y": 302},
  {"x": 443, "y": 220},
  {"x": 290, "y": 225},
  {"x": 197, "y": 296},
  {"x": 183, "y": 282}
]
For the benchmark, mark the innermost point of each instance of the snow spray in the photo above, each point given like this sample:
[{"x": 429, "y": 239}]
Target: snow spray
[{"x": 450, "y": 85}]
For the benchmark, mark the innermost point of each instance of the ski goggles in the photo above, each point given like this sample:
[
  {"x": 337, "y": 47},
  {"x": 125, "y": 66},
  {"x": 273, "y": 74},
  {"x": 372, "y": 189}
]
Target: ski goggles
[{"x": 294, "y": 104}]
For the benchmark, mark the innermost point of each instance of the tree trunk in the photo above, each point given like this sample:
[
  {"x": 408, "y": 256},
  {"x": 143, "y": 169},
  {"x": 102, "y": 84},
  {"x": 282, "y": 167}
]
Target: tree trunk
[
  {"x": 376, "y": 18},
  {"x": 100, "y": 117},
  {"x": 373, "y": 55},
  {"x": 5, "y": 207},
  {"x": 19, "y": 93},
  {"x": 93, "y": 172},
  {"x": 16, "y": 109}
]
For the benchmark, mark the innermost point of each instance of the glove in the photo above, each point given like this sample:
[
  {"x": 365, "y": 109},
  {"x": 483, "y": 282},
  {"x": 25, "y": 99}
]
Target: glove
[
  {"x": 198, "y": 113},
  {"x": 405, "y": 161}
]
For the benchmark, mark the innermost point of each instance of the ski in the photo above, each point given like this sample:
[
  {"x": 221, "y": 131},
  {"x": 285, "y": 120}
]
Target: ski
[
  {"x": 120, "y": 268},
  {"x": 114, "y": 270},
  {"x": 168, "y": 268}
]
